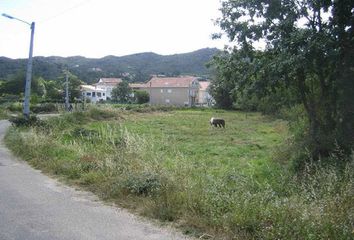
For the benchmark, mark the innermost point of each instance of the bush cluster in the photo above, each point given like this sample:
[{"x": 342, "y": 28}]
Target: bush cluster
[
  {"x": 44, "y": 108},
  {"x": 22, "y": 121}
]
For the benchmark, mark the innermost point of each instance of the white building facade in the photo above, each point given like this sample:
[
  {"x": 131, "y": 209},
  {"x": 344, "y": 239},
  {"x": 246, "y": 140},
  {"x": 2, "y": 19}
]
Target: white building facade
[
  {"x": 107, "y": 85},
  {"x": 93, "y": 93}
]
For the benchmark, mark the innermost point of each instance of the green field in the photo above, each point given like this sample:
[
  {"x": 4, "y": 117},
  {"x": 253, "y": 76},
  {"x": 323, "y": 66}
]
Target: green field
[
  {"x": 248, "y": 139},
  {"x": 231, "y": 183}
]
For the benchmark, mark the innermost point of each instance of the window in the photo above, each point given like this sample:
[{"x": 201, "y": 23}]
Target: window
[
  {"x": 93, "y": 94},
  {"x": 103, "y": 94},
  {"x": 169, "y": 90},
  {"x": 98, "y": 94},
  {"x": 88, "y": 94}
]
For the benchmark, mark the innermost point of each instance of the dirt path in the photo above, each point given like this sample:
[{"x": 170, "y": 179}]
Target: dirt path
[{"x": 35, "y": 207}]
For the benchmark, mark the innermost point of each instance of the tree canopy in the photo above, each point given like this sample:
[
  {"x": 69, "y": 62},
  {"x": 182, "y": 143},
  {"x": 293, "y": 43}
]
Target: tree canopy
[
  {"x": 306, "y": 58},
  {"x": 122, "y": 92},
  {"x": 141, "y": 96}
]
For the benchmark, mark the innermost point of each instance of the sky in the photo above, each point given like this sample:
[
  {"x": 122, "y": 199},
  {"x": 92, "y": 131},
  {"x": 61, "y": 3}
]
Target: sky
[{"x": 97, "y": 28}]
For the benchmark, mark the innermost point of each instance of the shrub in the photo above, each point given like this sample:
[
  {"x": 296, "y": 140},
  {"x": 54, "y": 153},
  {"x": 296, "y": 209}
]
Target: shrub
[
  {"x": 15, "y": 107},
  {"x": 6, "y": 98},
  {"x": 44, "y": 108},
  {"x": 21, "y": 121},
  {"x": 101, "y": 114},
  {"x": 141, "y": 97},
  {"x": 145, "y": 184},
  {"x": 3, "y": 114}
]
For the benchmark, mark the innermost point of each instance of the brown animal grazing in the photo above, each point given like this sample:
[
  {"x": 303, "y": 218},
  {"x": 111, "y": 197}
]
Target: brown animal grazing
[{"x": 217, "y": 122}]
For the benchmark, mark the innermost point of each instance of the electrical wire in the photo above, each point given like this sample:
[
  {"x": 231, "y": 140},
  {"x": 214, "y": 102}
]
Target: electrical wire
[{"x": 64, "y": 11}]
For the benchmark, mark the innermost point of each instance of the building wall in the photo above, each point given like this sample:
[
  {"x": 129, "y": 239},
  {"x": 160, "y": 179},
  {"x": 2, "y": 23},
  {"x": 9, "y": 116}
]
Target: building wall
[
  {"x": 106, "y": 88},
  {"x": 202, "y": 97},
  {"x": 171, "y": 96},
  {"x": 94, "y": 96},
  {"x": 205, "y": 98}
]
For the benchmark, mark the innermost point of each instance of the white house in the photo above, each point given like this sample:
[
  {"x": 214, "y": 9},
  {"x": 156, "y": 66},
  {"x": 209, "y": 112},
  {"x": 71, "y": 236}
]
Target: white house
[
  {"x": 93, "y": 93},
  {"x": 107, "y": 84}
]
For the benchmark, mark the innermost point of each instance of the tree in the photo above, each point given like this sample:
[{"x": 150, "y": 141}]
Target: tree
[
  {"x": 121, "y": 93},
  {"x": 309, "y": 44},
  {"x": 16, "y": 85},
  {"x": 224, "y": 83},
  {"x": 141, "y": 96},
  {"x": 54, "y": 91},
  {"x": 74, "y": 85}
]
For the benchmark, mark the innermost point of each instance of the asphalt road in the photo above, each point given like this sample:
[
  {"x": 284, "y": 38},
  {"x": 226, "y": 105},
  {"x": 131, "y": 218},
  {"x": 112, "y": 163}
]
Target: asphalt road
[{"x": 36, "y": 207}]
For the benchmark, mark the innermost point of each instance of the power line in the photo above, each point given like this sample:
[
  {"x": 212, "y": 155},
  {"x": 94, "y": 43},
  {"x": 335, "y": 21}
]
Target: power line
[{"x": 64, "y": 11}]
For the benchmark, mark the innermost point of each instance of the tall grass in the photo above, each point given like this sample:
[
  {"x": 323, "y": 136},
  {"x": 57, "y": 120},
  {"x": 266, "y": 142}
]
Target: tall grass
[
  {"x": 123, "y": 166},
  {"x": 3, "y": 114}
]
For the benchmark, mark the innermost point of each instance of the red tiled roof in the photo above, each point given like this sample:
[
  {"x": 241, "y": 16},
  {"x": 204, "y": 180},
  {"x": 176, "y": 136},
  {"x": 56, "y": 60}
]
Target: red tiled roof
[
  {"x": 109, "y": 81},
  {"x": 137, "y": 85},
  {"x": 171, "y": 82}
]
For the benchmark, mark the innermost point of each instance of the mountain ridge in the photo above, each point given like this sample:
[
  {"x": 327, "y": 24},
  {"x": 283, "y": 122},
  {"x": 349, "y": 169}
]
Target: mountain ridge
[{"x": 137, "y": 66}]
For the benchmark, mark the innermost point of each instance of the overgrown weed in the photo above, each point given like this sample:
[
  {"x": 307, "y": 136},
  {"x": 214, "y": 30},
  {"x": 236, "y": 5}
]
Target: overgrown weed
[{"x": 264, "y": 202}]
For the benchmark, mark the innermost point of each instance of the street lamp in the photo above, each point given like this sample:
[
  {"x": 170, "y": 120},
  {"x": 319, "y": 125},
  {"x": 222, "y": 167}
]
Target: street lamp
[{"x": 26, "y": 105}]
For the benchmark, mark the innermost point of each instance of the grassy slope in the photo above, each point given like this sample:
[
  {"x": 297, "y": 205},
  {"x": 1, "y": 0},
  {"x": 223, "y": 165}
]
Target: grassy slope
[{"x": 174, "y": 166}]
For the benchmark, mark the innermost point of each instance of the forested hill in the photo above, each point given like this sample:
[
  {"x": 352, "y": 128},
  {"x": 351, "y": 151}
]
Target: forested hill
[{"x": 139, "y": 66}]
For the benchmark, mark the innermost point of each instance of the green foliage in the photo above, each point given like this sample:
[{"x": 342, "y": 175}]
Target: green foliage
[
  {"x": 74, "y": 84},
  {"x": 144, "y": 184},
  {"x": 141, "y": 97},
  {"x": 15, "y": 85},
  {"x": 306, "y": 60},
  {"x": 122, "y": 93},
  {"x": 3, "y": 113},
  {"x": 139, "y": 66},
  {"x": 83, "y": 132},
  {"x": 35, "y": 108},
  {"x": 41, "y": 89},
  {"x": 53, "y": 91},
  {"x": 9, "y": 98},
  {"x": 21, "y": 121},
  {"x": 146, "y": 108},
  {"x": 44, "y": 108},
  {"x": 176, "y": 168},
  {"x": 231, "y": 75},
  {"x": 38, "y": 87},
  {"x": 15, "y": 107}
]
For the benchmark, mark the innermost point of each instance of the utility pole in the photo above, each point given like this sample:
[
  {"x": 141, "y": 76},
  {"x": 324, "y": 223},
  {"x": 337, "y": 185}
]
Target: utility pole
[
  {"x": 26, "y": 107},
  {"x": 66, "y": 91},
  {"x": 26, "y": 104}
]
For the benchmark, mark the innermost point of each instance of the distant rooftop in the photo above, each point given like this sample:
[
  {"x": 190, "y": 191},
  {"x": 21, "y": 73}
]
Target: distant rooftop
[
  {"x": 184, "y": 81},
  {"x": 137, "y": 85},
  {"x": 90, "y": 88},
  {"x": 109, "y": 81}
]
